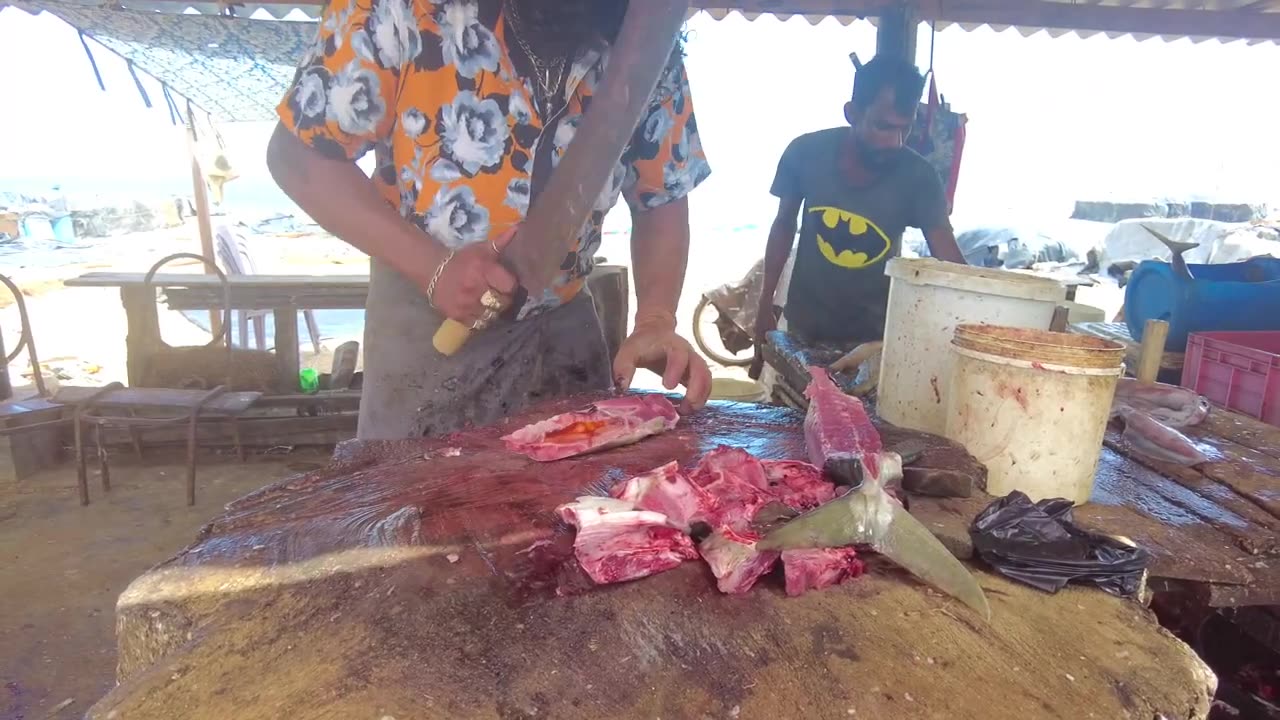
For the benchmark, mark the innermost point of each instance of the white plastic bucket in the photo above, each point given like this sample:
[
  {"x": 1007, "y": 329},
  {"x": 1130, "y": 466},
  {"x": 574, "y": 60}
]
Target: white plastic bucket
[
  {"x": 927, "y": 299},
  {"x": 1032, "y": 406}
]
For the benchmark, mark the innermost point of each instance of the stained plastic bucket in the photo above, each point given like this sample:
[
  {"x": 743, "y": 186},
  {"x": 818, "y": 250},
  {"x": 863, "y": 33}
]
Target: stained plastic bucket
[
  {"x": 927, "y": 299},
  {"x": 1032, "y": 406}
]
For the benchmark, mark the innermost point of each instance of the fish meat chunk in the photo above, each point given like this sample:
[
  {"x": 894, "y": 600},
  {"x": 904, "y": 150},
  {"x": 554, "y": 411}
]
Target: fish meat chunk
[
  {"x": 616, "y": 547},
  {"x": 819, "y": 568},
  {"x": 1157, "y": 440},
  {"x": 602, "y": 425},
  {"x": 668, "y": 491},
  {"x": 724, "y": 462},
  {"x": 734, "y": 560},
  {"x": 736, "y": 484},
  {"x": 797, "y": 485},
  {"x": 572, "y": 513},
  {"x": 837, "y": 430}
]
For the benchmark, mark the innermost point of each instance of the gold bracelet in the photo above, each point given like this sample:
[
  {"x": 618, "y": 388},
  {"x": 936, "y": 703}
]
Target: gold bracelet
[{"x": 435, "y": 278}]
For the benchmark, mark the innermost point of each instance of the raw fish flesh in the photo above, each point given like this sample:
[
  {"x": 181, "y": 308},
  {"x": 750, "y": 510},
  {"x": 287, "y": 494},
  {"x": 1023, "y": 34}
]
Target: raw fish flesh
[
  {"x": 605, "y": 424},
  {"x": 619, "y": 546},
  {"x": 736, "y": 483},
  {"x": 819, "y": 568},
  {"x": 838, "y": 434},
  {"x": 724, "y": 462},
  {"x": 797, "y": 485},
  {"x": 572, "y": 512},
  {"x": 734, "y": 560},
  {"x": 668, "y": 491}
]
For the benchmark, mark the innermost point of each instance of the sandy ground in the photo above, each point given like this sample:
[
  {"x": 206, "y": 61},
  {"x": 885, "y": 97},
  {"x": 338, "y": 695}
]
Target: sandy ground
[{"x": 63, "y": 566}]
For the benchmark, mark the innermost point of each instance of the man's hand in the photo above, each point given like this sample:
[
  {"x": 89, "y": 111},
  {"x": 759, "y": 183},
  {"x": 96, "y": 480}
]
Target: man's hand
[
  {"x": 766, "y": 323},
  {"x": 863, "y": 360},
  {"x": 654, "y": 345},
  {"x": 473, "y": 270}
]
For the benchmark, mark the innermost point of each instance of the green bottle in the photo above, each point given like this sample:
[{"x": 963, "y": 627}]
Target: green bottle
[{"x": 309, "y": 380}]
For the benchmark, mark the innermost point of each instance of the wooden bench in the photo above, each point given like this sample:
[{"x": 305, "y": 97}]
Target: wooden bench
[{"x": 137, "y": 409}]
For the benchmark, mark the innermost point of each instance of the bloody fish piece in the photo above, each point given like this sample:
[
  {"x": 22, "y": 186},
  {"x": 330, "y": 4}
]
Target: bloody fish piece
[
  {"x": 572, "y": 513},
  {"x": 616, "y": 547},
  {"x": 838, "y": 433},
  {"x": 668, "y": 491},
  {"x": 602, "y": 425},
  {"x": 818, "y": 568},
  {"x": 734, "y": 481},
  {"x": 734, "y": 560},
  {"x": 797, "y": 485},
  {"x": 725, "y": 461}
]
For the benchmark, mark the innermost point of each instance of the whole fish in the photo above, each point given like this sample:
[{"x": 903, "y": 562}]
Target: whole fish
[
  {"x": 1158, "y": 441},
  {"x": 1172, "y": 405},
  {"x": 842, "y": 441}
]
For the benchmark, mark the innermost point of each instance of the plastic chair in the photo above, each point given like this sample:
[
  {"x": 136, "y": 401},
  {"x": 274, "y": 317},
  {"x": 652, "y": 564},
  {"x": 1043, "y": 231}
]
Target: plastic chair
[{"x": 233, "y": 253}]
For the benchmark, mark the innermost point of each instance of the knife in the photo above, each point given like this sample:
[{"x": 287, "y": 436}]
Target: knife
[
  {"x": 636, "y": 62},
  {"x": 869, "y": 516}
]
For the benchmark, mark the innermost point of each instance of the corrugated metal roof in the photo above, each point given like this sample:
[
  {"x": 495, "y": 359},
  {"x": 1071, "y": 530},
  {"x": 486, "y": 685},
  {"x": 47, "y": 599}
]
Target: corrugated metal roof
[{"x": 1251, "y": 20}]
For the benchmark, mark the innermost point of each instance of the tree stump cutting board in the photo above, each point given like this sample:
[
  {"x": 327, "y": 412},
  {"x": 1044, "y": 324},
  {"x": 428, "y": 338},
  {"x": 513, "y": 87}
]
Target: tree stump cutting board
[{"x": 393, "y": 584}]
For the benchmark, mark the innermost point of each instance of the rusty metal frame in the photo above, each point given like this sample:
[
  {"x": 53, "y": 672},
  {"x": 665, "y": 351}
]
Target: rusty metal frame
[
  {"x": 25, "y": 339},
  {"x": 86, "y": 414}
]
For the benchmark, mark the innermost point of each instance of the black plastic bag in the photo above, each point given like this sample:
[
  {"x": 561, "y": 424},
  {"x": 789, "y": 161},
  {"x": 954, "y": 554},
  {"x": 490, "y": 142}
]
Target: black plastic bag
[{"x": 1040, "y": 545}]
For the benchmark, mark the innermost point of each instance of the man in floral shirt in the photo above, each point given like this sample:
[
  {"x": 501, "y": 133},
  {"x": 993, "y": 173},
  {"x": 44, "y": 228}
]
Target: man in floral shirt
[{"x": 468, "y": 105}]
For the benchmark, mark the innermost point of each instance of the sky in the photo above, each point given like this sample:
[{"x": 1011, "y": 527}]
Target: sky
[{"x": 1051, "y": 120}]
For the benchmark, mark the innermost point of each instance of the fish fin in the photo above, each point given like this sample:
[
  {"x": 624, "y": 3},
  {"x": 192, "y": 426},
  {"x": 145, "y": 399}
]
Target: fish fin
[
  {"x": 910, "y": 545},
  {"x": 847, "y": 520},
  {"x": 1176, "y": 247}
]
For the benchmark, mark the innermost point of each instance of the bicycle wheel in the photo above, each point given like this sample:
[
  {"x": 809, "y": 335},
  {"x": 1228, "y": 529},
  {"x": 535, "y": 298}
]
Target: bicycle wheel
[{"x": 707, "y": 337}]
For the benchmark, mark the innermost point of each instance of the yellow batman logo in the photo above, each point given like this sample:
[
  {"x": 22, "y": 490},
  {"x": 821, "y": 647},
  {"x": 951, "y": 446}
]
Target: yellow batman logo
[{"x": 863, "y": 243}]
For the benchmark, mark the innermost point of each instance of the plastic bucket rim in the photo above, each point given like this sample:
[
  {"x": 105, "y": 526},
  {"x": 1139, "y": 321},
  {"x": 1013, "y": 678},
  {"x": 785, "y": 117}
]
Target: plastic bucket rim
[
  {"x": 932, "y": 272},
  {"x": 1004, "y": 342}
]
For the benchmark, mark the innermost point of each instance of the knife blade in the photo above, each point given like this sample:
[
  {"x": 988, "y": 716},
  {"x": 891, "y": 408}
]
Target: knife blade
[{"x": 636, "y": 62}]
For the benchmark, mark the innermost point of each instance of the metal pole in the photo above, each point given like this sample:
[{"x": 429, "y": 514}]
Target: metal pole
[{"x": 897, "y": 30}]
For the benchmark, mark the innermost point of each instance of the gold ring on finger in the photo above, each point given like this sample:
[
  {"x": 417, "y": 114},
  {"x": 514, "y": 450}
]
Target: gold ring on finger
[
  {"x": 483, "y": 321},
  {"x": 491, "y": 301}
]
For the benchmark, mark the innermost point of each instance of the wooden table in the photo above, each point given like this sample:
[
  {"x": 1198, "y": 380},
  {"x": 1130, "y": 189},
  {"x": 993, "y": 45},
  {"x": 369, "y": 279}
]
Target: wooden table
[
  {"x": 285, "y": 295},
  {"x": 402, "y": 581}
]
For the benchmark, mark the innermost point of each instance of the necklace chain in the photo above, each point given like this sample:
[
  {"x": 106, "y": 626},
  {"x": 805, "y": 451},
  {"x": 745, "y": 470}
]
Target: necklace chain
[{"x": 548, "y": 90}]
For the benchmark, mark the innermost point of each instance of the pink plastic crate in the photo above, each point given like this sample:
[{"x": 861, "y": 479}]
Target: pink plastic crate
[{"x": 1239, "y": 370}]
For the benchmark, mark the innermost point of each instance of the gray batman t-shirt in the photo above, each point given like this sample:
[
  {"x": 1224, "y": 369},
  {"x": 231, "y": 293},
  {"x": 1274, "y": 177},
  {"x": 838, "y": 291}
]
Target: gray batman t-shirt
[{"x": 838, "y": 290}]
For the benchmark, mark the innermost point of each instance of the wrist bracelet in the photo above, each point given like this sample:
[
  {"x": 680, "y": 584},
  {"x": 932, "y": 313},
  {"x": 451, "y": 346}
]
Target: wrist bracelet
[{"x": 435, "y": 278}]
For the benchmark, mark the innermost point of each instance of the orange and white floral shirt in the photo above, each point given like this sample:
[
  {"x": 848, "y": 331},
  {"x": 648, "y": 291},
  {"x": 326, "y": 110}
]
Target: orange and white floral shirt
[{"x": 429, "y": 86}]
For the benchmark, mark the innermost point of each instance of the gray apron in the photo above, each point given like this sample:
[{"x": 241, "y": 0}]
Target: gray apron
[{"x": 410, "y": 390}]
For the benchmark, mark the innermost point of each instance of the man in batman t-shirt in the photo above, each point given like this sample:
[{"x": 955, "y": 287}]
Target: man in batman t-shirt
[{"x": 854, "y": 189}]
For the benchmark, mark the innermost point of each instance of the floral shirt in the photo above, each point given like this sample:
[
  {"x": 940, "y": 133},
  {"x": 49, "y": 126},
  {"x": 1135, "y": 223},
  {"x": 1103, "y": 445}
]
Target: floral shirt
[{"x": 430, "y": 87}]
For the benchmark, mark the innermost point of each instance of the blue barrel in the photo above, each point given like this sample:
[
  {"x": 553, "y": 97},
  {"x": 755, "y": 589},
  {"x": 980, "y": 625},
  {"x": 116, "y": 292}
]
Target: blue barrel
[
  {"x": 1234, "y": 296},
  {"x": 64, "y": 229}
]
